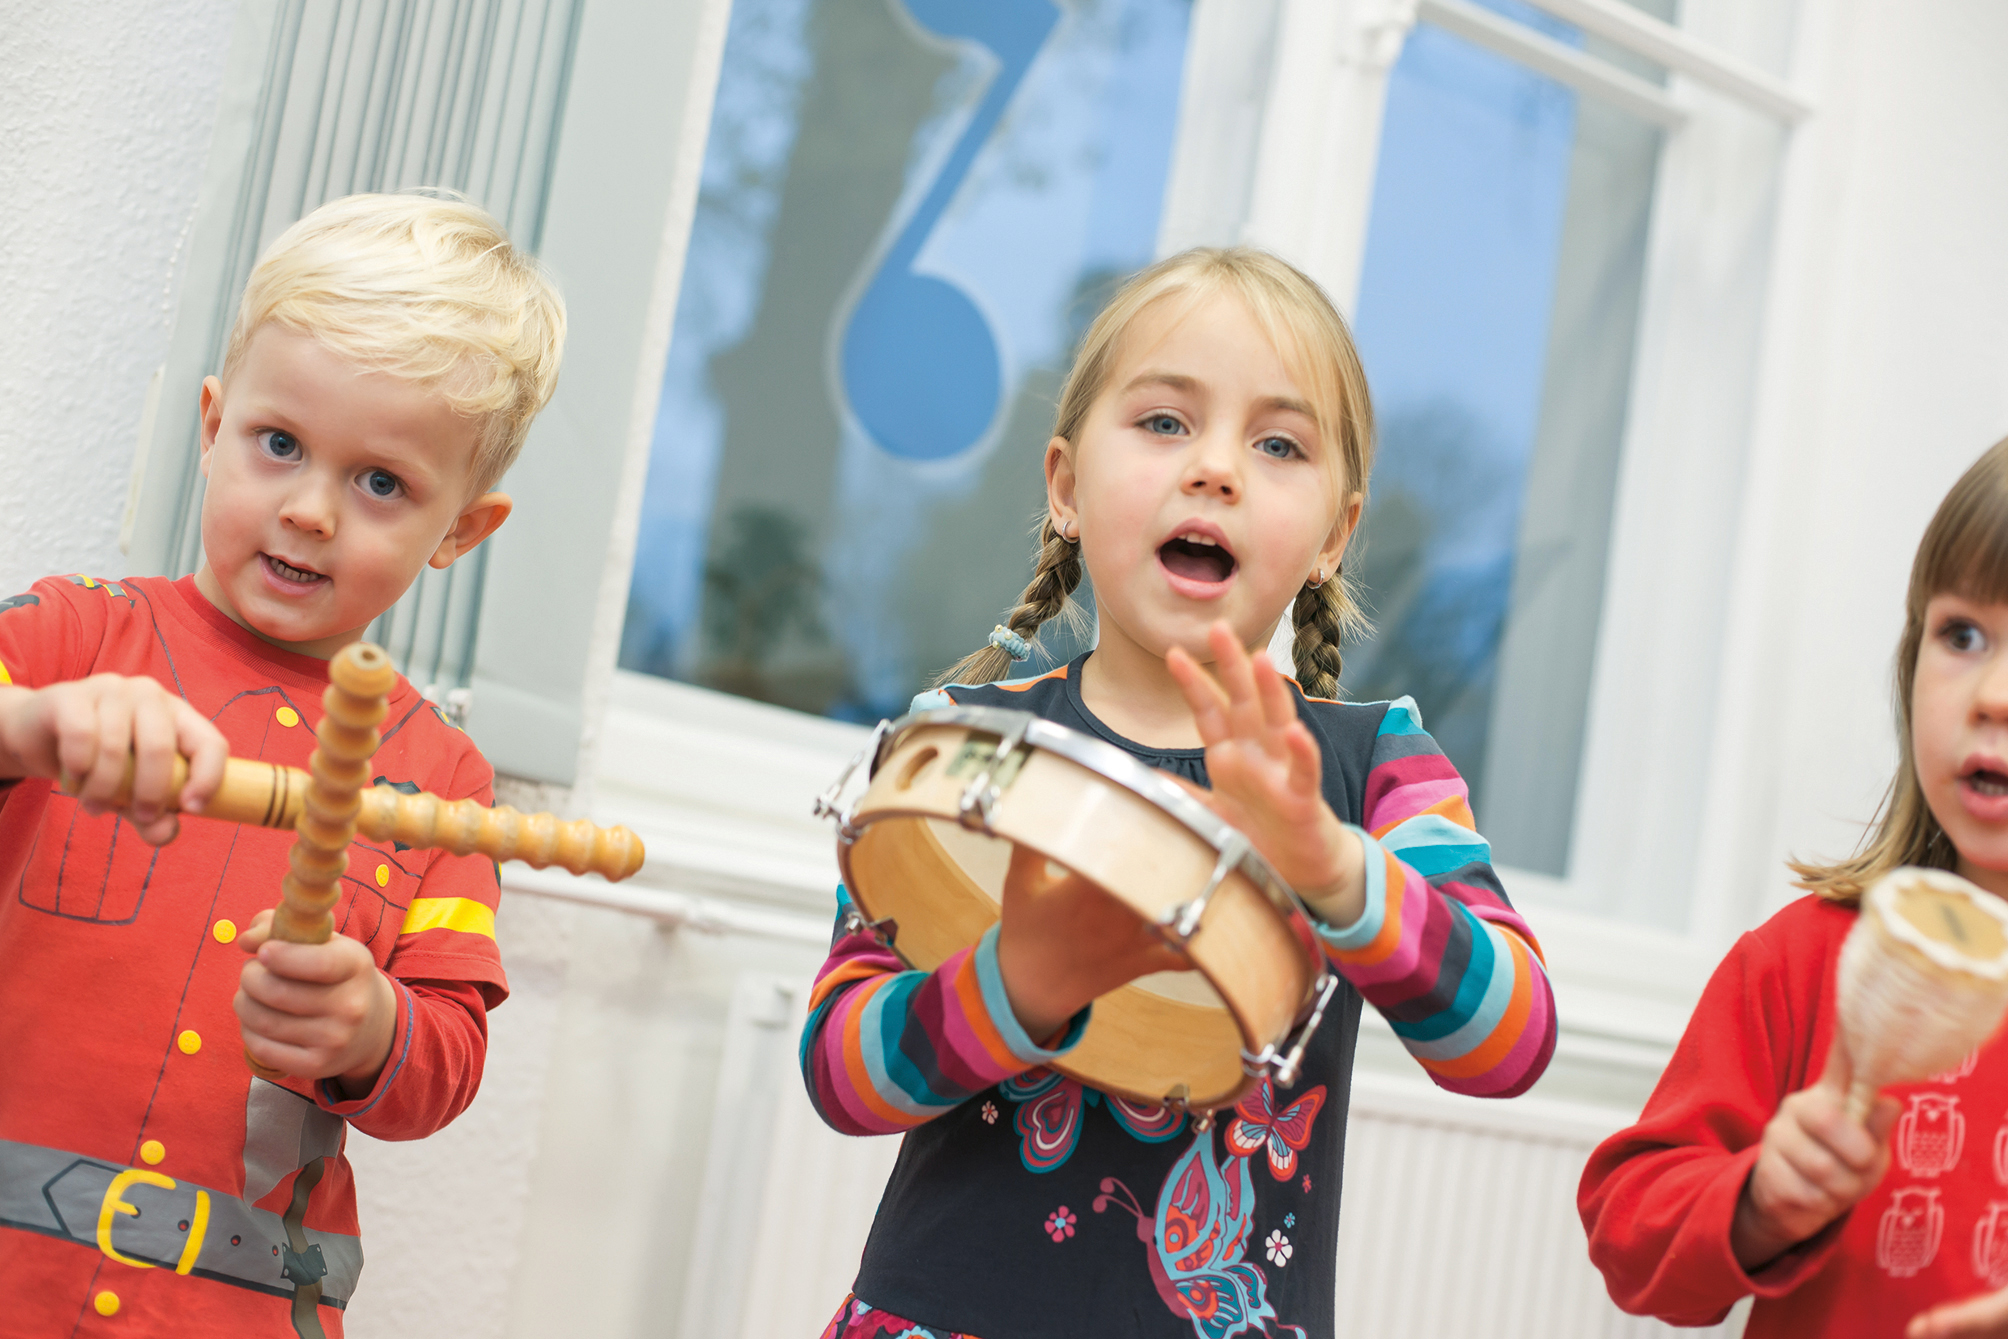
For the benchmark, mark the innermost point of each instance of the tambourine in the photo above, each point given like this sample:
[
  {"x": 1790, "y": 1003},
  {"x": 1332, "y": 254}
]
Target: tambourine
[{"x": 924, "y": 852}]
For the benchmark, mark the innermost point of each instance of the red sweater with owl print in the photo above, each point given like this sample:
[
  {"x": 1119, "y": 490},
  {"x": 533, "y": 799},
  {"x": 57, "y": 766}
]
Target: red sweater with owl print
[{"x": 1657, "y": 1198}]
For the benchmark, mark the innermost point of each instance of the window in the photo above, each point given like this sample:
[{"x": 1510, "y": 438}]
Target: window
[
  {"x": 1499, "y": 296},
  {"x": 909, "y": 210},
  {"x": 363, "y": 96},
  {"x": 1549, "y": 220}
]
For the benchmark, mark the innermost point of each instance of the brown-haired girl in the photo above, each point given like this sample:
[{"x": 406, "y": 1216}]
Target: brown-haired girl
[
  {"x": 1744, "y": 1174},
  {"x": 1207, "y": 470}
]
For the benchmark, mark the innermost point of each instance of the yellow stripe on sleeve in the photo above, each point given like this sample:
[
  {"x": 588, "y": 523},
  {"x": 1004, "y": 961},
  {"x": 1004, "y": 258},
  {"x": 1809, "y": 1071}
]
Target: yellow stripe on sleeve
[
  {"x": 449, "y": 913},
  {"x": 4, "y": 680}
]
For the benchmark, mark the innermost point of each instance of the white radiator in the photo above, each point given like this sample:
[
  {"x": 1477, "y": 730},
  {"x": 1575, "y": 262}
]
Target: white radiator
[{"x": 1459, "y": 1218}]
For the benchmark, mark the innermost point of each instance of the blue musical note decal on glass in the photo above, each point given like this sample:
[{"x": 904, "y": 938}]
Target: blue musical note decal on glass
[
  {"x": 920, "y": 364},
  {"x": 909, "y": 210}
]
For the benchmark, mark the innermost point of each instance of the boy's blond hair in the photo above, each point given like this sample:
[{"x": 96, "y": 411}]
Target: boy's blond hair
[{"x": 429, "y": 290}]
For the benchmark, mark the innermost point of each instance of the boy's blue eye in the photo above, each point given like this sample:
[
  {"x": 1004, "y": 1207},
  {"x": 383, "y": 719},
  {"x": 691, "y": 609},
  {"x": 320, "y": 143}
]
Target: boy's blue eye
[
  {"x": 380, "y": 483},
  {"x": 1164, "y": 425},
  {"x": 280, "y": 445},
  {"x": 1282, "y": 448}
]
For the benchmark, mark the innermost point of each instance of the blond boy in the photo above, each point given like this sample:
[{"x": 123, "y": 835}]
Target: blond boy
[{"x": 386, "y": 362}]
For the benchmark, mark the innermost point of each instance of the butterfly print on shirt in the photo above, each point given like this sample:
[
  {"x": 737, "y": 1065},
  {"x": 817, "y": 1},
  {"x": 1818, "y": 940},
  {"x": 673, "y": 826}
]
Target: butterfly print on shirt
[{"x": 1258, "y": 1126}]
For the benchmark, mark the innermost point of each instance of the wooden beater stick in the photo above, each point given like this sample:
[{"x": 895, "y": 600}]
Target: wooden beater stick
[{"x": 272, "y": 795}]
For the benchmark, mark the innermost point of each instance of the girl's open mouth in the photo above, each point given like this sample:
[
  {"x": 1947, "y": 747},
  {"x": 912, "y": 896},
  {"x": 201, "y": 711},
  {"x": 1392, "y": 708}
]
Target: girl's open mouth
[
  {"x": 1986, "y": 781},
  {"x": 1197, "y": 557}
]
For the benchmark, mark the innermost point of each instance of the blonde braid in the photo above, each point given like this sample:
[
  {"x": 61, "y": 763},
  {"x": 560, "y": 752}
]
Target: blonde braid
[
  {"x": 1055, "y": 574},
  {"x": 1325, "y": 614}
]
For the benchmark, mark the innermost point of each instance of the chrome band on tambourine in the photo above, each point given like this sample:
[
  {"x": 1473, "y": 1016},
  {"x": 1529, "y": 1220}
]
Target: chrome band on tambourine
[{"x": 924, "y": 849}]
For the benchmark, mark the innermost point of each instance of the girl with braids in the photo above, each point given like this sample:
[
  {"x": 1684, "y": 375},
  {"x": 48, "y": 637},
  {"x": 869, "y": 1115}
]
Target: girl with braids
[{"x": 1208, "y": 467}]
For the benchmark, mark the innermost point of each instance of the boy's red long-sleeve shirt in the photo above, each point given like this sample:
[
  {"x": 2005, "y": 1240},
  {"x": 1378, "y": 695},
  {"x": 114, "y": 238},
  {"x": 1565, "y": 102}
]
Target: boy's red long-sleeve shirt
[
  {"x": 149, "y": 1185},
  {"x": 1658, "y": 1199}
]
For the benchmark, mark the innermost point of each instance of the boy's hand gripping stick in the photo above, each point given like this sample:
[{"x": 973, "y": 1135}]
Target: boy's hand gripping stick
[
  {"x": 332, "y": 801},
  {"x": 272, "y": 795}
]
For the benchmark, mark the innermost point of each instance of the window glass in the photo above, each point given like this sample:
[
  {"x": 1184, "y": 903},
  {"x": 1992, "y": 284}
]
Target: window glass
[
  {"x": 1498, "y": 303},
  {"x": 909, "y": 210}
]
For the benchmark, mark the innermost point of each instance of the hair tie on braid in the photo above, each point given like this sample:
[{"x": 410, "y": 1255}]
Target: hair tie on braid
[
  {"x": 1056, "y": 572},
  {"x": 1010, "y": 643}
]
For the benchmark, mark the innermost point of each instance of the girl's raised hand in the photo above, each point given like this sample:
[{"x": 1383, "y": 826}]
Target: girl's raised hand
[{"x": 1266, "y": 774}]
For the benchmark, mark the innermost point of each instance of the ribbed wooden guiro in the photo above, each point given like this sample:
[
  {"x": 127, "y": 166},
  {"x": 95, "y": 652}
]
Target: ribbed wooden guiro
[
  {"x": 360, "y": 677},
  {"x": 332, "y": 801}
]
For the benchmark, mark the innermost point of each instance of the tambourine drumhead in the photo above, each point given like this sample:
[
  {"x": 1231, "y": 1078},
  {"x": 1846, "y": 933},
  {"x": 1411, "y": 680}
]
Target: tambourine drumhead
[{"x": 1087, "y": 806}]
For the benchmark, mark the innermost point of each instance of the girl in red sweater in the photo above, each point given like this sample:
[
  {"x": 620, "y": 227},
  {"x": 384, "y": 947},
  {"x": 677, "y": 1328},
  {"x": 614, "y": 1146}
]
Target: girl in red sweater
[{"x": 1744, "y": 1174}]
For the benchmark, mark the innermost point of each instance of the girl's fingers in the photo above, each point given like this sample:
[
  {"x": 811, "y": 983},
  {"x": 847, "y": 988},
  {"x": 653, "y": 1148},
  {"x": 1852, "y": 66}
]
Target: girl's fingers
[
  {"x": 1277, "y": 704},
  {"x": 1205, "y": 698},
  {"x": 1306, "y": 767},
  {"x": 1237, "y": 675}
]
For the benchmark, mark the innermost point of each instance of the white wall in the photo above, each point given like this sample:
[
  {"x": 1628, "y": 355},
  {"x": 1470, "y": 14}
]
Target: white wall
[
  {"x": 1885, "y": 375},
  {"x": 105, "y": 111}
]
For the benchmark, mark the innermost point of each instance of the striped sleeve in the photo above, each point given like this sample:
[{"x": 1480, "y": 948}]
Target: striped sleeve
[
  {"x": 886, "y": 1048},
  {"x": 1439, "y": 950}
]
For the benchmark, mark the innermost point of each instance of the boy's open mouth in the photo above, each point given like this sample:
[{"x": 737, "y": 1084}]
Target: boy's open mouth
[
  {"x": 285, "y": 571},
  {"x": 1196, "y": 557}
]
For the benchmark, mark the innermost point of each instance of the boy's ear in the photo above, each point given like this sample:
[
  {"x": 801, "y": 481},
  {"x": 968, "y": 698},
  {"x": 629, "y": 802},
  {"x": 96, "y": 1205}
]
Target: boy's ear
[
  {"x": 212, "y": 418},
  {"x": 477, "y": 520}
]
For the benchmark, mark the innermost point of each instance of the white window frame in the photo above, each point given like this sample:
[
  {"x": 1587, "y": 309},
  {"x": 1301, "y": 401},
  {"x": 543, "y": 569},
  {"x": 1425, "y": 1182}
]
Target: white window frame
[{"x": 719, "y": 787}]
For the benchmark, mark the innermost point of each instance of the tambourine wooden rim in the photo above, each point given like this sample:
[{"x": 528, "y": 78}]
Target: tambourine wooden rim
[
  {"x": 1106, "y": 759},
  {"x": 1272, "y": 1003}
]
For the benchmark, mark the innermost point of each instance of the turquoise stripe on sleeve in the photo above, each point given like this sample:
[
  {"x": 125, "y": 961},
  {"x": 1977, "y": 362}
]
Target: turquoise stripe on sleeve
[
  {"x": 1402, "y": 717},
  {"x": 1484, "y": 1021},
  {"x": 990, "y": 979},
  {"x": 1363, "y": 931},
  {"x": 1473, "y": 986},
  {"x": 1431, "y": 844},
  {"x": 893, "y": 1076},
  {"x": 931, "y": 699}
]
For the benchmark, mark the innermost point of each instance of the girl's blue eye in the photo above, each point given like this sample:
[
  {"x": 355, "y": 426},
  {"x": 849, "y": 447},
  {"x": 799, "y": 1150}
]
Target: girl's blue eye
[
  {"x": 380, "y": 483},
  {"x": 280, "y": 445},
  {"x": 1280, "y": 448},
  {"x": 1164, "y": 425}
]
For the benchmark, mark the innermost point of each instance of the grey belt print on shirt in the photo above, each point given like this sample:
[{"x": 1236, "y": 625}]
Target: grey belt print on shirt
[{"x": 146, "y": 1219}]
